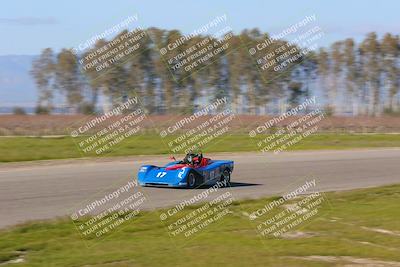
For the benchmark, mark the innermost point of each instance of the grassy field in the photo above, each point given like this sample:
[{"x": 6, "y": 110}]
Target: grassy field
[
  {"x": 39, "y": 148},
  {"x": 357, "y": 228}
]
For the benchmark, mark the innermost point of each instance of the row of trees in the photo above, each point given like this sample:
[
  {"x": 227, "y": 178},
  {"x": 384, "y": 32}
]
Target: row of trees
[{"x": 349, "y": 78}]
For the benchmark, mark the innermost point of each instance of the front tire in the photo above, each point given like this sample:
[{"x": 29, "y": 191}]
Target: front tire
[{"x": 191, "y": 180}]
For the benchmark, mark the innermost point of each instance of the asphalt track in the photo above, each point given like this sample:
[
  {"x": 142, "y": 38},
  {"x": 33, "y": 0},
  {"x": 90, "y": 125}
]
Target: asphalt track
[{"x": 43, "y": 190}]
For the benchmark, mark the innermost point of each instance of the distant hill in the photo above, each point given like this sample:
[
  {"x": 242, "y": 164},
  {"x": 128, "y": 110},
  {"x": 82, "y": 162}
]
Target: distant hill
[{"x": 17, "y": 87}]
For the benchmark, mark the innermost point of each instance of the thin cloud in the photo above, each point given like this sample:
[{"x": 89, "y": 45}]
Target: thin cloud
[{"x": 28, "y": 21}]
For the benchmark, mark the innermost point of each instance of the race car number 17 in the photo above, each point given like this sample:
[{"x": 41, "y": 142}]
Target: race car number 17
[{"x": 161, "y": 174}]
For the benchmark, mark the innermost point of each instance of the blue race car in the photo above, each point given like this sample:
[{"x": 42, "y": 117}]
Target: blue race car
[{"x": 194, "y": 170}]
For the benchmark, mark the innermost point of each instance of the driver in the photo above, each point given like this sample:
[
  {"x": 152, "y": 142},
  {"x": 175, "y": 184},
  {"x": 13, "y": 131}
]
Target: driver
[
  {"x": 193, "y": 159},
  {"x": 189, "y": 159}
]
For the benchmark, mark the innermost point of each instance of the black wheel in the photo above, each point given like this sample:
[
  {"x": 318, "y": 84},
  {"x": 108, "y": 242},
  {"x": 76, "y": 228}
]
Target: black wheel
[
  {"x": 226, "y": 176},
  {"x": 192, "y": 180}
]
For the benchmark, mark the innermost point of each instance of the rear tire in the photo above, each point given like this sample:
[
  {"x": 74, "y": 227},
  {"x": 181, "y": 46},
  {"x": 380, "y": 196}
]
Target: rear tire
[{"x": 226, "y": 177}]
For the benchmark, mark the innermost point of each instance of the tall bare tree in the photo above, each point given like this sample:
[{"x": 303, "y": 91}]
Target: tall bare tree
[
  {"x": 68, "y": 79},
  {"x": 351, "y": 74},
  {"x": 390, "y": 52},
  {"x": 371, "y": 53},
  {"x": 43, "y": 74},
  {"x": 337, "y": 62}
]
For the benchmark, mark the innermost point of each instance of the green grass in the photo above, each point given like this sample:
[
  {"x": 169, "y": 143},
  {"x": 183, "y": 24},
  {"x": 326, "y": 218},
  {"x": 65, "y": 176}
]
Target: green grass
[
  {"x": 38, "y": 148},
  {"x": 232, "y": 241}
]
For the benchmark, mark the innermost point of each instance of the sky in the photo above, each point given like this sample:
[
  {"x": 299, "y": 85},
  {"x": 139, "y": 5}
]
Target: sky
[{"x": 27, "y": 27}]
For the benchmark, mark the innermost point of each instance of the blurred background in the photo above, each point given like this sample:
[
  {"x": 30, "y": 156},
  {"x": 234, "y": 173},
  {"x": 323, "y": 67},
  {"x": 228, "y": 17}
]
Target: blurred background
[{"x": 353, "y": 69}]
